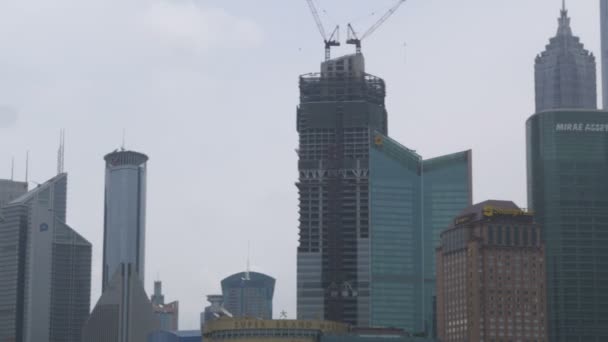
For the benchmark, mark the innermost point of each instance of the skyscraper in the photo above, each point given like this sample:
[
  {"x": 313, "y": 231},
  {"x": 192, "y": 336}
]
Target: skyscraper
[
  {"x": 125, "y": 213},
  {"x": 10, "y": 190},
  {"x": 248, "y": 294},
  {"x": 167, "y": 314},
  {"x": 45, "y": 273},
  {"x": 565, "y": 72},
  {"x": 366, "y": 204},
  {"x": 567, "y": 153},
  {"x": 504, "y": 297},
  {"x": 123, "y": 313},
  {"x": 567, "y": 161},
  {"x": 604, "y": 29}
]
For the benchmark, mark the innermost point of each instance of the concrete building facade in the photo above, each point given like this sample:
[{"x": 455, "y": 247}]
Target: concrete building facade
[
  {"x": 45, "y": 268},
  {"x": 123, "y": 313},
  {"x": 124, "y": 213},
  {"x": 9, "y": 190},
  {"x": 491, "y": 276},
  {"x": 248, "y": 294},
  {"x": 565, "y": 72},
  {"x": 370, "y": 208}
]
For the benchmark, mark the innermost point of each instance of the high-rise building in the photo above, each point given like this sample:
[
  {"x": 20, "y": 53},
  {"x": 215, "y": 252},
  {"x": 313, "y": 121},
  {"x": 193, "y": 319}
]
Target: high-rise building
[
  {"x": 248, "y": 294},
  {"x": 567, "y": 160},
  {"x": 491, "y": 276},
  {"x": 565, "y": 72},
  {"x": 567, "y": 152},
  {"x": 45, "y": 268},
  {"x": 125, "y": 213},
  {"x": 604, "y": 34},
  {"x": 168, "y": 314},
  {"x": 371, "y": 210},
  {"x": 123, "y": 313},
  {"x": 9, "y": 190}
]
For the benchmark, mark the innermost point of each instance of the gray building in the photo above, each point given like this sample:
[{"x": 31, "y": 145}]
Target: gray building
[
  {"x": 9, "y": 190},
  {"x": 565, "y": 72},
  {"x": 45, "y": 268},
  {"x": 371, "y": 210},
  {"x": 604, "y": 29},
  {"x": 167, "y": 313},
  {"x": 124, "y": 312},
  {"x": 125, "y": 213},
  {"x": 215, "y": 310},
  {"x": 248, "y": 294}
]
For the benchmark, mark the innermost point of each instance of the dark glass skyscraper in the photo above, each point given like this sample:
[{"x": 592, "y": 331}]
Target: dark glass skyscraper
[
  {"x": 565, "y": 72},
  {"x": 567, "y": 152},
  {"x": 568, "y": 190},
  {"x": 249, "y": 295},
  {"x": 364, "y": 229}
]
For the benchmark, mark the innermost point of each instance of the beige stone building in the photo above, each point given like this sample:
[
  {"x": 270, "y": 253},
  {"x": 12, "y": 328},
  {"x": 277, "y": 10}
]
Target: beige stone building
[{"x": 491, "y": 277}]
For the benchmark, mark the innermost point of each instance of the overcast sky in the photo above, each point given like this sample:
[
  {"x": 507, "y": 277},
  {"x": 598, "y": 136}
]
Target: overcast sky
[{"x": 209, "y": 89}]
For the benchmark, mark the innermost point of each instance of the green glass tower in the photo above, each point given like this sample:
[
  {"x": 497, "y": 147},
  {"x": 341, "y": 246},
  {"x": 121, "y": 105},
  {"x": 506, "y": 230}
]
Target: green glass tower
[{"x": 567, "y": 152}]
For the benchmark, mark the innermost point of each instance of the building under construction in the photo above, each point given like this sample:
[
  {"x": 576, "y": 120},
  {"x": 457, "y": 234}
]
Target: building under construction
[{"x": 365, "y": 254}]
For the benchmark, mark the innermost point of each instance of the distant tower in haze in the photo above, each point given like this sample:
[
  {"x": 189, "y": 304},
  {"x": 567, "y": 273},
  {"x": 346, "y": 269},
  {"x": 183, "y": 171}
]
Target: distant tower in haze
[
  {"x": 604, "y": 28},
  {"x": 168, "y": 314},
  {"x": 565, "y": 72},
  {"x": 125, "y": 213},
  {"x": 249, "y": 294}
]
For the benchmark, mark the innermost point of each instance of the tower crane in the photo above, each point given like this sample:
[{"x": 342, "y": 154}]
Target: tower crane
[
  {"x": 333, "y": 40},
  {"x": 354, "y": 39}
]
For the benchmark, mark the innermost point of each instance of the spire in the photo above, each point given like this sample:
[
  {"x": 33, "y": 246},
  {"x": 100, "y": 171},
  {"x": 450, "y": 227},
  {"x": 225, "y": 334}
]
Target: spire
[{"x": 564, "y": 22}]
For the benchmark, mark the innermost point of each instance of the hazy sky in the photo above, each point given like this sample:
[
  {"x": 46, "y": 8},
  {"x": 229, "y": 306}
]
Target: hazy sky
[{"x": 209, "y": 88}]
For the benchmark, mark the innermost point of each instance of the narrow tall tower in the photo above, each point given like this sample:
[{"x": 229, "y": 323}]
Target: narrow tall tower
[
  {"x": 125, "y": 213},
  {"x": 604, "y": 28},
  {"x": 565, "y": 72}
]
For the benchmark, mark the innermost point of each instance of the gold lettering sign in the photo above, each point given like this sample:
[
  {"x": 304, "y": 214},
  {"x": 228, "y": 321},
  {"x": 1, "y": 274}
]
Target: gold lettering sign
[{"x": 489, "y": 211}]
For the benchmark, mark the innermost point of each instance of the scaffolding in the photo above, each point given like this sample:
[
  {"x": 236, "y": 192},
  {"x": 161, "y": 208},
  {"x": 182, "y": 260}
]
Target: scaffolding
[{"x": 341, "y": 87}]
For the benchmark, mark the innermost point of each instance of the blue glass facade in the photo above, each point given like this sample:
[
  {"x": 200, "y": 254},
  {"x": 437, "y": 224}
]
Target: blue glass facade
[
  {"x": 411, "y": 202},
  {"x": 447, "y": 190},
  {"x": 396, "y": 219}
]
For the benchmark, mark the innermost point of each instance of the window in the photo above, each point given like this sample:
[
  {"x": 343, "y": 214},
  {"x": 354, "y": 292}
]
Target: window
[
  {"x": 491, "y": 235},
  {"x": 516, "y": 235},
  {"x": 508, "y": 236},
  {"x": 533, "y": 233},
  {"x": 499, "y": 236},
  {"x": 524, "y": 233}
]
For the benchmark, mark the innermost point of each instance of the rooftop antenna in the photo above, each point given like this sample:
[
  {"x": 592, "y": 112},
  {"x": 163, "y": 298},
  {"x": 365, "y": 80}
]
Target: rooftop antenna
[
  {"x": 247, "y": 275},
  {"x": 353, "y": 37},
  {"x": 13, "y": 168},
  {"x": 27, "y": 165},
  {"x": 124, "y": 134},
  {"x": 61, "y": 153},
  {"x": 564, "y": 5}
]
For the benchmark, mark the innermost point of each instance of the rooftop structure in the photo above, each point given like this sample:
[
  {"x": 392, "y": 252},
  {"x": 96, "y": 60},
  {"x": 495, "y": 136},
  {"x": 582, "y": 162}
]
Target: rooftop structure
[{"x": 565, "y": 72}]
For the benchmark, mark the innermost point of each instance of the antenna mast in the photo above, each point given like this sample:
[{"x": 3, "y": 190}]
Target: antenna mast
[
  {"x": 61, "y": 152},
  {"x": 13, "y": 168},
  {"x": 333, "y": 40},
  {"x": 27, "y": 165}
]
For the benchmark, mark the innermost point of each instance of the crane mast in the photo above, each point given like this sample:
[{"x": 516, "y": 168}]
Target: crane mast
[
  {"x": 354, "y": 39},
  {"x": 334, "y": 38}
]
